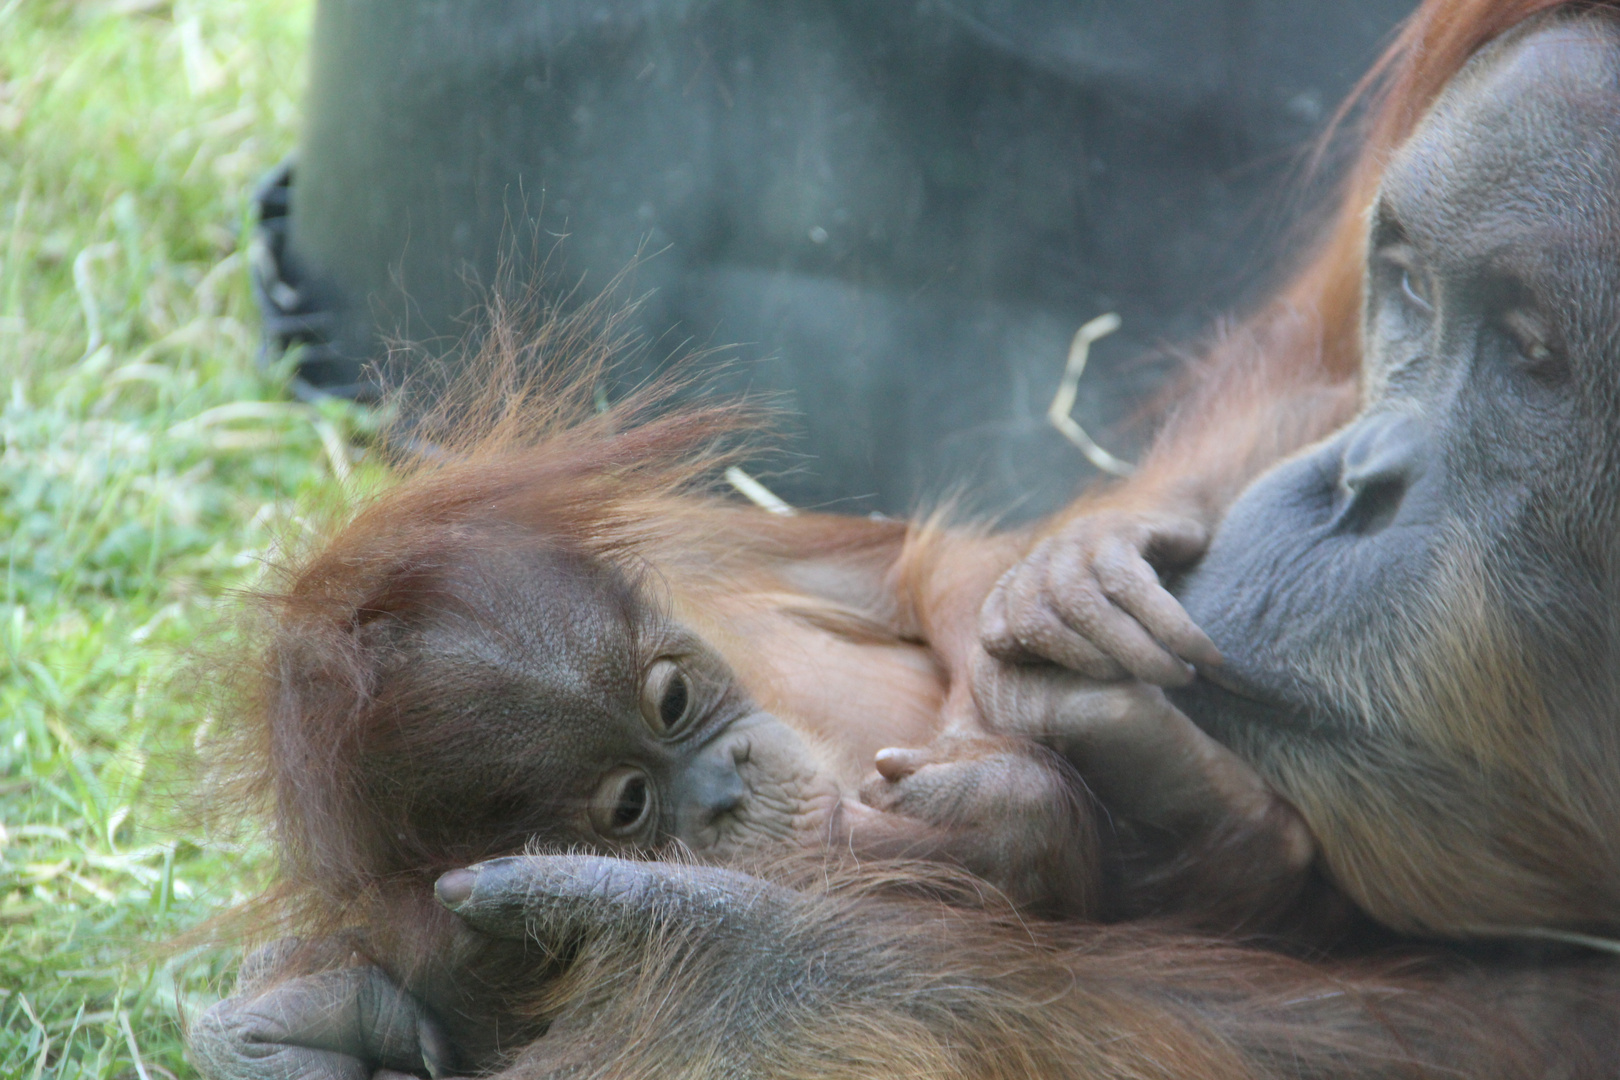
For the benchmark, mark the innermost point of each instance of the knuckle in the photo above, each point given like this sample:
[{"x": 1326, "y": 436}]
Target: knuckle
[
  {"x": 1005, "y": 649},
  {"x": 995, "y": 630},
  {"x": 1081, "y": 608},
  {"x": 1124, "y": 574},
  {"x": 1049, "y": 637},
  {"x": 1074, "y": 545},
  {"x": 1024, "y": 592}
]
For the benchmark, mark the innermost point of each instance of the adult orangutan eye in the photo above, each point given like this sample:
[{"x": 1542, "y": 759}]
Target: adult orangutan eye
[
  {"x": 1401, "y": 258},
  {"x": 1530, "y": 338},
  {"x": 666, "y": 698},
  {"x": 1415, "y": 289},
  {"x": 623, "y": 806}
]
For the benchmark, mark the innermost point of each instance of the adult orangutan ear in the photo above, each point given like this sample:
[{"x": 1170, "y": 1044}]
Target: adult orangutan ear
[{"x": 562, "y": 898}]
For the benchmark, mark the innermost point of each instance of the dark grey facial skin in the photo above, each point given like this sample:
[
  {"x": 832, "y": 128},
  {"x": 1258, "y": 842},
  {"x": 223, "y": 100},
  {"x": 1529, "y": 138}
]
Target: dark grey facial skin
[
  {"x": 1490, "y": 428},
  {"x": 544, "y": 698}
]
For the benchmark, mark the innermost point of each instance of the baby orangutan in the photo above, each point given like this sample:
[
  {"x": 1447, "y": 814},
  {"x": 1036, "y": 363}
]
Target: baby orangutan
[{"x": 549, "y": 635}]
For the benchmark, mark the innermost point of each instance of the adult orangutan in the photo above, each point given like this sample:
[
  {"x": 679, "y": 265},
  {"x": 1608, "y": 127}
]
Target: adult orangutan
[
  {"x": 1414, "y": 614},
  {"x": 1413, "y": 618}
]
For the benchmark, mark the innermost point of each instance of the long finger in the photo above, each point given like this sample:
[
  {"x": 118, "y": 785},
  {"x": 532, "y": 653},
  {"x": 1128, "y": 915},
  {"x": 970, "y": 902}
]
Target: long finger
[
  {"x": 1006, "y": 617},
  {"x": 1044, "y": 632},
  {"x": 1194, "y": 784},
  {"x": 1085, "y": 611},
  {"x": 556, "y": 897},
  {"x": 1134, "y": 587}
]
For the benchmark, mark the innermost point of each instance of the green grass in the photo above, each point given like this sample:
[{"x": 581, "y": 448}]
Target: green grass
[{"x": 144, "y": 464}]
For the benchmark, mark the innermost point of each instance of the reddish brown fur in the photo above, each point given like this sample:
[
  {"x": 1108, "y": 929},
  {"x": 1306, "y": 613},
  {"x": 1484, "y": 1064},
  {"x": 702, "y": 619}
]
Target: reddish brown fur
[
  {"x": 297, "y": 745},
  {"x": 836, "y": 623},
  {"x": 826, "y": 620},
  {"x": 1535, "y": 850},
  {"x": 615, "y": 486},
  {"x": 1292, "y": 373}
]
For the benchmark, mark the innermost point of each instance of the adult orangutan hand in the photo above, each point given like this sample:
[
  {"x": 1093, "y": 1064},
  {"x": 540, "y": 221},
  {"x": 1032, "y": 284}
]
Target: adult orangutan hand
[{"x": 1089, "y": 598}]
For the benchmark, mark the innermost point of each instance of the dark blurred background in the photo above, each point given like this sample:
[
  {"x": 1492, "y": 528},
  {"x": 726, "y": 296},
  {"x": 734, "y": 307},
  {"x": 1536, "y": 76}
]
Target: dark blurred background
[{"x": 898, "y": 212}]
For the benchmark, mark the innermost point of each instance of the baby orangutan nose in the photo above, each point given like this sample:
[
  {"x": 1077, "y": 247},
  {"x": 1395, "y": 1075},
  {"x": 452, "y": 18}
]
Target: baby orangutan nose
[{"x": 712, "y": 786}]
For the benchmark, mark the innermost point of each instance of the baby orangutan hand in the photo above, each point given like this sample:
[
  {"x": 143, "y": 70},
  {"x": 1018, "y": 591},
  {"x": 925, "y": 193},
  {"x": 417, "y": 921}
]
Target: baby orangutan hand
[
  {"x": 1009, "y": 811},
  {"x": 1088, "y": 597}
]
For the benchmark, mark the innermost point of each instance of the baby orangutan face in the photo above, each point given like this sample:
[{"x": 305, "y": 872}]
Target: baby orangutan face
[
  {"x": 535, "y": 694},
  {"x": 453, "y": 691}
]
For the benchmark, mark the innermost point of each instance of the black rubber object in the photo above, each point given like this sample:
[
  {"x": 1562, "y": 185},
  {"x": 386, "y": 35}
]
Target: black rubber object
[{"x": 899, "y": 211}]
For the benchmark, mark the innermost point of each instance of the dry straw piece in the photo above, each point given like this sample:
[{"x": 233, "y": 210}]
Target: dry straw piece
[{"x": 1062, "y": 407}]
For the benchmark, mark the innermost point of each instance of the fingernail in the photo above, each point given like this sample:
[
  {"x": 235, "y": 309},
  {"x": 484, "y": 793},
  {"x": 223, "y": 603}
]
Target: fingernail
[
  {"x": 892, "y": 763},
  {"x": 455, "y": 887}
]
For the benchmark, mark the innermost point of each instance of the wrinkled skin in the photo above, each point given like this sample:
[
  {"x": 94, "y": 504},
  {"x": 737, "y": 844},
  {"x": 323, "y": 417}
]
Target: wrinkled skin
[
  {"x": 346, "y": 1023},
  {"x": 1195, "y": 835},
  {"x": 581, "y": 712}
]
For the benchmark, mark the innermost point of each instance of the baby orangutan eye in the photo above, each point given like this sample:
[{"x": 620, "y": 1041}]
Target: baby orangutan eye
[
  {"x": 622, "y": 808},
  {"x": 666, "y": 698}
]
